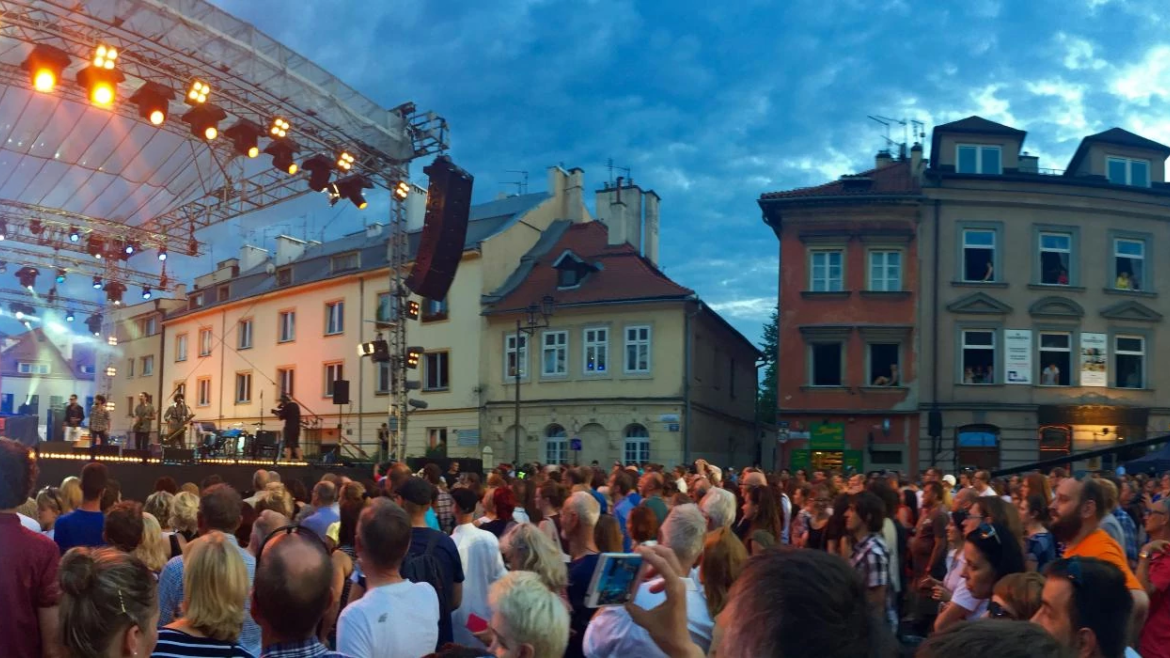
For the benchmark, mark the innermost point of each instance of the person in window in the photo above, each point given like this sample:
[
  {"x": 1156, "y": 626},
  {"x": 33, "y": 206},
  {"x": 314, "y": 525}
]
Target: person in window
[
  {"x": 1124, "y": 282},
  {"x": 968, "y": 376},
  {"x": 891, "y": 380},
  {"x": 1062, "y": 277},
  {"x": 989, "y": 275},
  {"x": 1050, "y": 376}
]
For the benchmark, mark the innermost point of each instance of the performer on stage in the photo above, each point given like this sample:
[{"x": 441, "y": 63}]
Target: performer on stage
[
  {"x": 176, "y": 417},
  {"x": 74, "y": 414},
  {"x": 99, "y": 423},
  {"x": 290, "y": 413},
  {"x": 144, "y": 414}
]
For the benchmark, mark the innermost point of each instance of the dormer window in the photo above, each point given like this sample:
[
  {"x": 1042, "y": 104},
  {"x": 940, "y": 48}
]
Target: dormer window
[
  {"x": 1128, "y": 171},
  {"x": 345, "y": 262},
  {"x": 979, "y": 159},
  {"x": 568, "y": 277},
  {"x": 571, "y": 270}
]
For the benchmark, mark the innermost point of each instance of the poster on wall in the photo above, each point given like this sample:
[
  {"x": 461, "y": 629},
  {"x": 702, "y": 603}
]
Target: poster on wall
[
  {"x": 1094, "y": 356},
  {"x": 1017, "y": 356}
]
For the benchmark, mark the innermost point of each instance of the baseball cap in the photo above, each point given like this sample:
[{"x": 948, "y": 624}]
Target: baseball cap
[
  {"x": 949, "y": 479},
  {"x": 416, "y": 490}
]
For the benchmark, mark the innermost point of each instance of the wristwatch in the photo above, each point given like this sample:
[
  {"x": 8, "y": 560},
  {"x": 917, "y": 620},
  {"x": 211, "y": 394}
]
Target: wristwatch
[{"x": 1144, "y": 555}]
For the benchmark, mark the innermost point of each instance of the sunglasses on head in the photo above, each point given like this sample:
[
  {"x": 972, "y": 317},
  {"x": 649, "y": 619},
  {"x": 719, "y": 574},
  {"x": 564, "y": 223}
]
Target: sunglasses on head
[
  {"x": 987, "y": 531},
  {"x": 997, "y": 611}
]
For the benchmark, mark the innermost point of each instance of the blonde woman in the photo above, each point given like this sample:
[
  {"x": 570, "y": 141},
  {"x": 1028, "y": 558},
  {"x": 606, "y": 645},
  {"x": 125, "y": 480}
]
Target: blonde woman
[
  {"x": 184, "y": 515},
  {"x": 153, "y": 550},
  {"x": 276, "y": 498},
  {"x": 70, "y": 494},
  {"x": 526, "y": 548},
  {"x": 215, "y": 585}
]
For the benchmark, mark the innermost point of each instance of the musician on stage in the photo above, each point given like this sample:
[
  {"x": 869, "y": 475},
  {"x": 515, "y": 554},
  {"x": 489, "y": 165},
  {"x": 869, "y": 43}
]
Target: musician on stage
[
  {"x": 144, "y": 414},
  {"x": 176, "y": 417},
  {"x": 74, "y": 415},
  {"x": 290, "y": 413},
  {"x": 99, "y": 424}
]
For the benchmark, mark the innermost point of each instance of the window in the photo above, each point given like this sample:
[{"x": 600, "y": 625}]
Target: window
[
  {"x": 33, "y": 368},
  {"x": 436, "y": 371},
  {"x": 885, "y": 271},
  {"x": 285, "y": 381},
  {"x": 181, "y": 347},
  {"x": 884, "y": 368},
  {"x": 826, "y": 364},
  {"x": 196, "y": 301},
  {"x": 434, "y": 309},
  {"x": 284, "y": 276},
  {"x": 1055, "y": 359},
  {"x": 243, "y": 387},
  {"x": 203, "y": 388},
  {"x": 638, "y": 350},
  {"x": 56, "y": 401},
  {"x": 568, "y": 277},
  {"x": 148, "y": 326},
  {"x": 333, "y": 372},
  {"x": 288, "y": 326},
  {"x": 1130, "y": 361},
  {"x": 978, "y": 255},
  {"x": 596, "y": 351},
  {"x": 204, "y": 342},
  {"x": 245, "y": 334},
  {"x": 637, "y": 449},
  {"x": 976, "y": 159},
  {"x": 385, "y": 305},
  {"x": 978, "y": 356},
  {"x": 1128, "y": 171},
  {"x": 334, "y": 318},
  {"x": 1055, "y": 257},
  {"x": 554, "y": 355},
  {"x": 130, "y": 368},
  {"x": 147, "y": 365},
  {"x": 382, "y": 380},
  {"x": 343, "y": 262},
  {"x": 516, "y": 356},
  {"x": 88, "y": 369},
  {"x": 1129, "y": 259},
  {"x": 223, "y": 292},
  {"x": 556, "y": 445},
  {"x": 826, "y": 271},
  {"x": 436, "y": 437}
]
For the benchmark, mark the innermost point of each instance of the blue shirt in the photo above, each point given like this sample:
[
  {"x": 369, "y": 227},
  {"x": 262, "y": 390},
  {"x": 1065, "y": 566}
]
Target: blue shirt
[
  {"x": 600, "y": 500},
  {"x": 1130, "y": 531},
  {"x": 320, "y": 520},
  {"x": 622, "y": 512},
  {"x": 170, "y": 595},
  {"x": 306, "y": 648},
  {"x": 79, "y": 528},
  {"x": 580, "y": 575}
]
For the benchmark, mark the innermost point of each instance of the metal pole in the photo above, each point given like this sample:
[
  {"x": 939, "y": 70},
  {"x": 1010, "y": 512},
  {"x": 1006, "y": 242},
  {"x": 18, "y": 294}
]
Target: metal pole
[{"x": 516, "y": 370}]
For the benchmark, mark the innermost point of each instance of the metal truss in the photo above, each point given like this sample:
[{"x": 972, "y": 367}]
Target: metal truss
[
  {"x": 10, "y": 296},
  {"x": 56, "y": 225},
  {"x": 48, "y": 264}
]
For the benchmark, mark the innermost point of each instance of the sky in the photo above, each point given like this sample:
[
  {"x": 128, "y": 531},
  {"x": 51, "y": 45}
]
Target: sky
[{"x": 711, "y": 105}]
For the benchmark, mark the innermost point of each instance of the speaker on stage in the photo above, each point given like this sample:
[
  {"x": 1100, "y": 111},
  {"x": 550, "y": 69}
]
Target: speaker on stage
[
  {"x": 341, "y": 391},
  {"x": 444, "y": 229}
]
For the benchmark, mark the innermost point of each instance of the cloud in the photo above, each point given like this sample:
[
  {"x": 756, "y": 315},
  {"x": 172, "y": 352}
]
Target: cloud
[
  {"x": 1141, "y": 81},
  {"x": 757, "y": 309},
  {"x": 1079, "y": 53}
]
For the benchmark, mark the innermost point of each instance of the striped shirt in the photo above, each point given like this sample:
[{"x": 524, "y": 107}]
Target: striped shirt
[{"x": 174, "y": 643}]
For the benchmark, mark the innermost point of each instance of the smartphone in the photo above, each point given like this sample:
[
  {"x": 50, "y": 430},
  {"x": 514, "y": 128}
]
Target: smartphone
[
  {"x": 476, "y": 624},
  {"x": 615, "y": 579}
]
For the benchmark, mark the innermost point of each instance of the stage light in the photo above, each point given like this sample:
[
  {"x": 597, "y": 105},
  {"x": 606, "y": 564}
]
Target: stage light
[
  {"x": 146, "y": 292},
  {"x": 378, "y": 349},
  {"x": 52, "y": 296},
  {"x": 60, "y": 275},
  {"x": 129, "y": 249},
  {"x": 97, "y": 283},
  {"x": 192, "y": 247},
  {"x": 162, "y": 254},
  {"x": 95, "y": 246},
  {"x": 412, "y": 309},
  {"x": 19, "y": 315},
  {"x": 3, "y": 230},
  {"x": 94, "y": 324},
  {"x": 111, "y": 371},
  {"x": 402, "y": 190},
  {"x": 153, "y": 101},
  {"x": 69, "y": 315},
  {"x": 104, "y": 57},
  {"x": 350, "y": 188},
  {"x": 245, "y": 136},
  {"x": 27, "y": 276},
  {"x": 282, "y": 152},
  {"x": 114, "y": 291},
  {"x": 413, "y": 354},
  {"x": 345, "y": 161},
  {"x": 112, "y": 341},
  {"x": 319, "y": 168},
  {"x": 101, "y": 79},
  {"x": 279, "y": 128},
  {"x": 45, "y": 64},
  {"x": 74, "y": 234},
  {"x": 198, "y": 93},
  {"x": 35, "y": 227},
  {"x": 204, "y": 120}
]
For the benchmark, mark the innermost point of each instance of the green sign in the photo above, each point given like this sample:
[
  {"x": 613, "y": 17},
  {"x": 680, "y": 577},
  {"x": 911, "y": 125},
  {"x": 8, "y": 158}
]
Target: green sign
[
  {"x": 853, "y": 459},
  {"x": 827, "y": 436},
  {"x": 798, "y": 459}
]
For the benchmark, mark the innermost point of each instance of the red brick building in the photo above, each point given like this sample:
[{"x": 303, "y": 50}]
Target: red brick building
[{"x": 848, "y": 372}]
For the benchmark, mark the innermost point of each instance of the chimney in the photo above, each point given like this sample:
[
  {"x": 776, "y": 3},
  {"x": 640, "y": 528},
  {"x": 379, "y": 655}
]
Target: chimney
[
  {"x": 620, "y": 207},
  {"x": 251, "y": 257},
  {"x": 916, "y": 161},
  {"x": 574, "y": 195},
  {"x": 288, "y": 249},
  {"x": 883, "y": 159},
  {"x": 1029, "y": 164},
  {"x": 650, "y": 239}
]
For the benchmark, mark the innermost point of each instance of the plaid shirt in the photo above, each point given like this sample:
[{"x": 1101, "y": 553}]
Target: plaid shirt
[
  {"x": 99, "y": 419},
  {"x": 445, "y": 510},
  {"x": 871, "y": 559},
  {"x": 1130, "y": 530},
  {"x": 306, "y": 648}
]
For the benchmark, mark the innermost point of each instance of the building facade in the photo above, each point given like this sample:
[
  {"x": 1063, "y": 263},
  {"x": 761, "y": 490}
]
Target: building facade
[{"x": 40, "y": 374}]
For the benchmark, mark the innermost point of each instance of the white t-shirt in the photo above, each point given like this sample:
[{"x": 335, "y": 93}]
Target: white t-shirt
[
  {"x": 31, "y": 524},
  {"x": 612, "y": 633},
  {"x": 479, "y": 550},
  {"x": 391, "y": 621}
]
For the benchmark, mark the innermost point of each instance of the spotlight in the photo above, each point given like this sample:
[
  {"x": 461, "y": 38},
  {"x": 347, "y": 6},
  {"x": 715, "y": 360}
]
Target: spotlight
[
  {"x": 95, "y": 246},
  {"x": 402, "y": 190},
  {"x": 413, "y": 354},
  {"x": 319, "y": 168},
  {"x": 27, "y": 276},
  {"x": 278, "y": 129},
  {"x": 378, "y": 350},
  {"x": 146, "y": 292},
  {"x": 198, "y": 93},
  {"x": 193, "y": 247},
  {"x": 418, "y": 404},
  {"x": 350, "y": 188},
  {"x": 114, "y": 292},
  {"x": 35, "y": 227},
  {"x": 111, "y": 371},
  {"x": 129, "y": 249},
  {"x": 345, "y": 161},
  {"x": 74, "y": 234},
  {"x": 412, "y": 309},
  {"x": 94, "y": 324},
  {"x": 60, "y": 275},
  {"x": 101, "y": 78},
  {"x": 162, "y": 254},
  {"x": 97, "y": 283},
  {"x": 282, "y": 151},
  {"x": 153, "y": 101},
  {"x": 45, "y": 64},
  {"x": 69, "y": 315},
  {"x": 204, "y": 120},
  {"x": 112, "y": 341},
  {"x": 52, "y": 296},
  {"x": 245, "y": 136}
]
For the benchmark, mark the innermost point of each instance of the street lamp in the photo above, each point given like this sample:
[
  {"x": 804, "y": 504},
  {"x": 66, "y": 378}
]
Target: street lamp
[{"x": 528, "y": 328}]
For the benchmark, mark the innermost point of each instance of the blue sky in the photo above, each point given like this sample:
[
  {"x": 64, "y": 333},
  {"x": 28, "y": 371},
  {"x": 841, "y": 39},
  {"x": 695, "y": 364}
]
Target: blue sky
[{"x": 712, "y": 104}]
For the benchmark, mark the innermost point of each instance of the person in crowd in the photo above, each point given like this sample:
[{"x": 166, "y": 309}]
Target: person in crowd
[
  {"x": 112, "y": 495},
  {"x": 818, "y": 519},
  {"x": 215, "y": 590},
  {"x": 28, "y": 578},
  {"x": 451, "y": 477},
  {"x": 956, "y": 601},
  {"x": 291, "y": 591},
  {"x": 896, "y": 542},
  {"x": 444, "y": 506},
  {"x": 722, "y": 561},
  {"x": 578, "y": 519},
  {"x": 342, "y": 535},
  {"x": 801, "y": 501},
  {"x": 719, "y": 508},
  {"x": 621, "y": 488},
  {"x": 650, "y": 487},
  {"x": 219, "y": 509},
  {"x": 525, "y": 548},
  {"x": 990, "y": 637},
  {"x": 588, "y": 479},
  {"x": 642, "y": 525},
  {"x": 1085, "y": 605},
  {"x": 109, "y": 604},
  {"x": 551, "y": 497},
  {"x": 612, "y": 631},
  {"x": 395, "y": 617},
  {"x": 123, "y": 526},
  {"x": 185, "y": 515},
  {"x": 1126, "y": 529},
  {"x": 160, "y": 505},
  {"x": 993, "y": 509},
  {"x": 1036, "y": 484},
  {"x": 928, "y": 551},
  {"x": 1016, "y": 597},
  {"x": 527, "y": 511},
  {"x": 191, "y": 488},
  {"x": 760, "y": 512},
  {"x": 327, "y": 512},
  {"x": 607, "y": 534},
  {"x": 479, "y": 553},
  {"x": 265, "y": 524},
  {"x": 1039, "y": 547},
  {"x": 49, "y": 509},
  {"x": 990, "y": 553},
  {"x": 838, "y": 540},
  {"x": 871, "y": 554},
  {"x": 527, "y": 619},
  {"x": 279, "y": 500},
  {"x": 500, "y": 504},
  {"x": 70, "y": 494},
  {"x": 759, "y": 541},
  {"x": 83, "y": 526},
  {"x": 1077, "y": 511},
  {"x": 432, "y": 556},
  {"x": 1153, "y": 572},
  {"x": 259, "y": 484},
  {"x": 153, "y": 550}
]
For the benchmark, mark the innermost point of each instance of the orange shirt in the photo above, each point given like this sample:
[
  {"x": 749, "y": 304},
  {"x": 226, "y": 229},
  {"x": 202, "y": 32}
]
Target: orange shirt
[{"x": 1103, "y": 547}]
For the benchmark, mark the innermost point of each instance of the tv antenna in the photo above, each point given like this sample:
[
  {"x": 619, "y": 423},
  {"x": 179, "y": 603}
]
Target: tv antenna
[
  {"x": 522, "y": 184},
  {"x": 610, "y": 165},
  {"x": 910, "y": 128}
]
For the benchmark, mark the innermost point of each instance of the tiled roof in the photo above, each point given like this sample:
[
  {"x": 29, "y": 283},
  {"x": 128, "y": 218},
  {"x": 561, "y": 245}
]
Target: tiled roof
[
  {"x": 977, "y": 124},
  {"x": 893, "y": 179},
  {"x": 1116, "y": 136},
  {"x": 621, "y": 275}
]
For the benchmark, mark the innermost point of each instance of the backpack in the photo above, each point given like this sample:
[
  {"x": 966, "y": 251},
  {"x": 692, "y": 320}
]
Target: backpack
[{"x": 427, "y": 568}]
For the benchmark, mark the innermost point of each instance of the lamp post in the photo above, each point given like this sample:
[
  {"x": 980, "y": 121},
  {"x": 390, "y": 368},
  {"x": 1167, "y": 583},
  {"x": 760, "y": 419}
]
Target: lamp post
[{"x": 527, "y": 329}]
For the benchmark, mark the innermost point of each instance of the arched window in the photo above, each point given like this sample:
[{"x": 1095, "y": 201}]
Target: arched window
[
  {"x": 637, "y": 444},
  {"x": 556, "y": 445}
]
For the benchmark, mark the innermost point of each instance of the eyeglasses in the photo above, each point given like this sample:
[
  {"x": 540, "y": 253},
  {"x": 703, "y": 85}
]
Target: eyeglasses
[
  {"x": 997, "y": 611},
  {"x": 290, "y": 530}
]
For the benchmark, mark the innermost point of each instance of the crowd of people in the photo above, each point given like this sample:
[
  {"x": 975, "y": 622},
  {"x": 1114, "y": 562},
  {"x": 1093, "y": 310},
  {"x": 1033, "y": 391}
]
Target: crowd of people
[{"x": 750, "y": 564}]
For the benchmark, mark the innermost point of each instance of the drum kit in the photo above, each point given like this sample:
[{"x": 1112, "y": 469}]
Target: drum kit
[{"x": 235, "y": 441}]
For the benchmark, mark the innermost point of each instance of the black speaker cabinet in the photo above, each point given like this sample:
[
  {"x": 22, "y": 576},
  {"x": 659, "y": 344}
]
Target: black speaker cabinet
[
  {"x": 341, "y": 391},
  {"x": 444, "y": 229}
]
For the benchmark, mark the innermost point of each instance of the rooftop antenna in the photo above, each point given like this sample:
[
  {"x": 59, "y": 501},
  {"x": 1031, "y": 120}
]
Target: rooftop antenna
[
  {"x": 890, "y": 143},
  {"x": 522, "y": 184},
  {"x": 611, "y": 166},
  {"x": 918, "y": 129}
]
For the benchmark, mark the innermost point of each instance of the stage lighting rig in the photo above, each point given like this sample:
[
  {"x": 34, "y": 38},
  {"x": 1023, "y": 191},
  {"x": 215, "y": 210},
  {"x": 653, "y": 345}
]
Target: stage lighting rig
[
  {"x": 52, "y": 296},
  {"x": 345, "y": 161},
  {"x": 350, "y": 188},
  {"x": 101, "y": 78},
  {"x": 97, "y": 283},
  {"x": 74, "y": 234},
  {"x": 413, "y": 354},
  {"x": 114, "y": 291},
  {"x": 378, "y": 350},
  {"x": 36, "y": 227},
  {"x": 69, "y": 315},
  {"x": 95, "y": 246},
  {"x": 319, "y": 168},
  {"x": 153, "y": 101},
  {"x": 245, "y": 136},
  {"x": 45, "y": 64},
  {"x": 162, "y": 253},
  {"x": 412, "y": 309},
  {"x": 282, "y": 151},
  {"x": 198, "y": 92},
  {"x": 192, "y": 247},
  {"x": 94, "y": 324},
  {"x": 146, "y": 292},
  {"x": 279, "y": 128},
  {"x": 27, "y": 276},
  {"x": 204, "y": 120},
  {"x": 401, "y": 190}
]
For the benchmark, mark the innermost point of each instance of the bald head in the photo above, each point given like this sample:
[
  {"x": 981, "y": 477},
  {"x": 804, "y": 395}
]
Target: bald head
[
  {"x": 292, "y": 587},
  {"x": 964, "y": 499},
  {"x": 265, "y": 523}
]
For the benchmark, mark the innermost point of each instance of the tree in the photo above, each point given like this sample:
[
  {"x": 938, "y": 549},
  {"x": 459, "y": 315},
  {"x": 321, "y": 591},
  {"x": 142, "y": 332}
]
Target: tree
[{"x": 766, "y": 395}]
